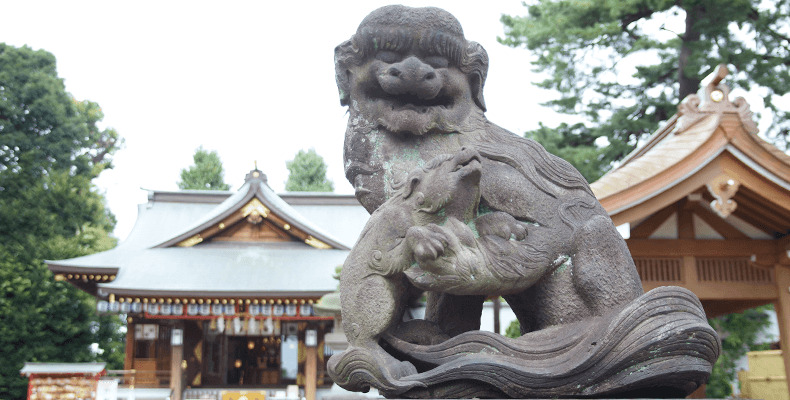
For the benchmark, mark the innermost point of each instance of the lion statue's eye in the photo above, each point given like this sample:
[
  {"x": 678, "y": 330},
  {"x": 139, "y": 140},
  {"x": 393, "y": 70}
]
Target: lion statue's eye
[
  {"x": 437, "y": 61},
  {"x": 377, "y": 255},
  {"x": 388, "y": 57}
]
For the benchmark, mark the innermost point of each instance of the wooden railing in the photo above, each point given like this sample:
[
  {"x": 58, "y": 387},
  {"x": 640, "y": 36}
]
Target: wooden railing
[
  {"x": 721, "y": 269},
  {"x": 669, "y": 269}
]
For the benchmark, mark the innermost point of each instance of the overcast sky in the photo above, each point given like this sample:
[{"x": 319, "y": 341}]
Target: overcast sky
[{"x": 253, "y": 80}]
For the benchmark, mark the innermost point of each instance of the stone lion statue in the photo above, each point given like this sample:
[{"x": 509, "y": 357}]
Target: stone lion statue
[{"x": 523, "y": 224}]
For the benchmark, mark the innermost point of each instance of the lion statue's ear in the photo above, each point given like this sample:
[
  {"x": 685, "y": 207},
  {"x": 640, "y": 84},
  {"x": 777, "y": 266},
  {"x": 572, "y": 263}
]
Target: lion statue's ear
[
  {"x": 344, "y": 53},
  {"x": 475, "y": 66}
]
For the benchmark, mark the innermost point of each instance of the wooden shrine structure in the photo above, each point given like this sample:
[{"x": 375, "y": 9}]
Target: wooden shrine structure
[
  {"x": 708, "y": 205},
  {"x": 219, "y": 287}
]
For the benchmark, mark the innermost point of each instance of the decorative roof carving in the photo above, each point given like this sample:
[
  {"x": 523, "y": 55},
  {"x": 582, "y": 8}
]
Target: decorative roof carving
[
  {"x": 723, "y": 189},
  {"x": 714, "y": 98},
  {"x": 255, "y": 211}
]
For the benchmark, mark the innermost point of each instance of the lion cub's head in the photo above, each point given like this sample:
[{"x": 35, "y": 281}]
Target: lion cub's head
[{"x": 447, "y": 186}]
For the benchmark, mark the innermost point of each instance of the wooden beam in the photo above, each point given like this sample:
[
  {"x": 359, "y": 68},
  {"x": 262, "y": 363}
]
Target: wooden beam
[
  {"x": 783, "y": 243},
  {"x": 718, "y": 224},
  {"x": 733, "y": 291},
  {"x": 725, "y": 291},
  {"x": 750, "y": 146},
  {"x": 632, "y": 204},
  {"x": 685, "y": 219},
  {"x": 648, "y": 226},
  {"x": 638, "y": 210},
  {"x": 766, "y": 205},
  {"x": 702, "y": 248},
  {"x": 755, "y": 182},
  {"x": 715, "y": 308},
  {"x": 758, "y": 220}
]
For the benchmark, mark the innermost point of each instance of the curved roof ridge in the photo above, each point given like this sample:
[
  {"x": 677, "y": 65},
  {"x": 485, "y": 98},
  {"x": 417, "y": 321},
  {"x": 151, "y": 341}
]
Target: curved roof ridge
[
  {"x": 254, "y": 187},
  {"x": 775, "y": 151},
  {"x": 662, "y": 155},
  {"x": 655, "y": 138}
]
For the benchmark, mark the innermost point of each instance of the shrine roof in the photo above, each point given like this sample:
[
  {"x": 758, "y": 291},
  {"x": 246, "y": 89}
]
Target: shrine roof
[
  {"x": 255, "y": 187},
  {"x": 707, "y": 128},
  {"x": 153, "y": 258},
  {"x": 223, "y": 269}
]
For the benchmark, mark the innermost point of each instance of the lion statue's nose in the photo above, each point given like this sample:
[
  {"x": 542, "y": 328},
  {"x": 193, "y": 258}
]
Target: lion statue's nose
[{"x": 411, "y": 76}]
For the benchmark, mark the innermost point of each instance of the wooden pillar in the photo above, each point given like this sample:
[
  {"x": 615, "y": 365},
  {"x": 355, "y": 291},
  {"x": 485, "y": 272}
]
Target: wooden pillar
[
  {"x": 176, "y": 357},
  {"x": 690, "y": 277},
  {"x": 128, "y": 359},
  {"x": 129, "y": 348},
  {"x": 311, "y": 363},
  {"x": 496, "y": 314},
  {"x": 310, "y": 372},
  {"x": 782, "y": 307}
]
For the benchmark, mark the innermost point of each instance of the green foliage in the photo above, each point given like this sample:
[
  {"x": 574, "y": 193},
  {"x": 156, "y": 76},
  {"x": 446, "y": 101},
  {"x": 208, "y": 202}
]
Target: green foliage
[
  {"x": 50, "y": 150},
  {"x": 206, "y": 174},
  {"x": 625, "y": 65},
  {"x": 307, "y": 173},
  {"x": 739, "y": 333},
  {"x": 576, "y": 144},
  {"x": 513, "y": 330}
]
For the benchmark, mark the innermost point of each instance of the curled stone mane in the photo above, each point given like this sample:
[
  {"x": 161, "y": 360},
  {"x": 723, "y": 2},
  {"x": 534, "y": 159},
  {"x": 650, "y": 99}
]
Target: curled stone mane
[
  {"x": 372, "y": 39},
  {"x": 537, "y": 164}
]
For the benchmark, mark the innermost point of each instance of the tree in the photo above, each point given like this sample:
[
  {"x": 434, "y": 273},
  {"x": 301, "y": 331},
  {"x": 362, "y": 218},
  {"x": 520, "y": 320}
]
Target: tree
[
  {"x": 624, "y": 66},
  {"x": 307, "y": 173},
  {"x": 513, "y": 329},
  {"x": 50, "y": 150},
  {"x": 739, "y": 333},
  {"x": 206, "y": 174}
]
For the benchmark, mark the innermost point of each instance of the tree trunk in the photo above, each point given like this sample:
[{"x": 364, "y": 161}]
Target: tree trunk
[{"x": 688, "y": 85}]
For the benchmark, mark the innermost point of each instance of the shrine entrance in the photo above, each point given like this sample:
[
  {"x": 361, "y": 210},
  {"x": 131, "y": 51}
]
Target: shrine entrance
[{"x": 258, "y": 361}]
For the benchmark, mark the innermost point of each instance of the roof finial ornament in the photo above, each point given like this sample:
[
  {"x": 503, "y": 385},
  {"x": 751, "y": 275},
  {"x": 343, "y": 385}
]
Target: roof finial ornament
[
  {"x": 256, "y": 174},
  {"x": 716, "y": 93},
  {"x": 713, "y": 98}
]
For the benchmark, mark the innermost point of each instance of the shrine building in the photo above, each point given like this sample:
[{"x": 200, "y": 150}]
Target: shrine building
[
  {"x": 708, "y": 206},
  {"x": 218, "y": 287}
]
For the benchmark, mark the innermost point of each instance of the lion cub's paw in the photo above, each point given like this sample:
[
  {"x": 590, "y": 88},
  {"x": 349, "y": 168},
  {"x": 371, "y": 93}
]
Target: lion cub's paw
[{"x": 502, "y": 225}]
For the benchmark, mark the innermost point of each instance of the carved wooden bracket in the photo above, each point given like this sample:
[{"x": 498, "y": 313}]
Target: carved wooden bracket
[
  {"x": 723, "y": 188},
  {"x": 255, "y": 211}
]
